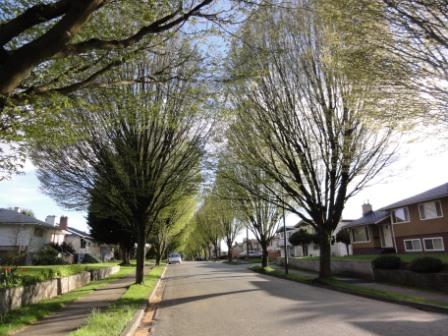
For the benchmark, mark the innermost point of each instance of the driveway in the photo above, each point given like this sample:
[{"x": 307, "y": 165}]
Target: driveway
[{"x": 204, "y": 298}]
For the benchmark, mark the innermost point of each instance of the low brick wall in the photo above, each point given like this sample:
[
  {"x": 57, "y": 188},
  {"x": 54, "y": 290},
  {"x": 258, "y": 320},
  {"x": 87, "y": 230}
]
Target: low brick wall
[
  {"x": 13, "y": 298},
  {"x": 358, "y": 268},
  {"x": 432, "y": 281},
  {"x": 103, "y": 272},
  {"x": 72, "y": 282}
]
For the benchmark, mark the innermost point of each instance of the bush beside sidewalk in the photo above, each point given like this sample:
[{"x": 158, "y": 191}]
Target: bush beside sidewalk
[{"x": 420, "y": 299}]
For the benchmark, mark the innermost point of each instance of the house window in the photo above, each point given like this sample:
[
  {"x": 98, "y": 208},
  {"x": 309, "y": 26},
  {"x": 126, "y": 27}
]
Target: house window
[
  {"x": 83, "y": 243},
  {"x": 360, "y": 234},
  {"x": 412, "y": 245},
  {"x": 38, "y": 232},
  {"x": 400, "y": 215},
  {"x": 430, "y": 210},
  {"x": 433, "y": 244}
]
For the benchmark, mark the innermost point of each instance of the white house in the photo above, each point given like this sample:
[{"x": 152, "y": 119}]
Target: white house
[
  {"x": 83, "y": 244},
  {"x": 22, "y": 236},
  {"x": 311, "y": 249}
]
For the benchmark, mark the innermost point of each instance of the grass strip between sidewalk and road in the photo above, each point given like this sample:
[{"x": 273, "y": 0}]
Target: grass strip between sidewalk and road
[
  {"x": 113, "y": 320},
  {"x": 19, "y": 318},
  {"x": 372, "y": 293}
]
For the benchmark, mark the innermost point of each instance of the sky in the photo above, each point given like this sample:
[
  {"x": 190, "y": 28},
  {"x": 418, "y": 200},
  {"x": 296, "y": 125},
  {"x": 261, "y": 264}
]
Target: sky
[{"x": 421, "y": 164}]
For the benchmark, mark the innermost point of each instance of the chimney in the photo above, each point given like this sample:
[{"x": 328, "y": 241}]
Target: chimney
[
  {"x": 50, "y": 219},
  {"x": 366, "y": 208},
  {"x": 17, "y": 209},
  {"x": 63, "y": 223}
]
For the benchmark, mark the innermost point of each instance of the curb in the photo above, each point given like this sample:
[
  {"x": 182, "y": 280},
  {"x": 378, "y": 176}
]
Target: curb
[
  {"x": 138, "y": 316},
  {"x": 420, "y": 306}
]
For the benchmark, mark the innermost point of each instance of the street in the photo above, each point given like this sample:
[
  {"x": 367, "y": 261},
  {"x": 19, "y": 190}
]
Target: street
[{"x": 205, "y": 298}]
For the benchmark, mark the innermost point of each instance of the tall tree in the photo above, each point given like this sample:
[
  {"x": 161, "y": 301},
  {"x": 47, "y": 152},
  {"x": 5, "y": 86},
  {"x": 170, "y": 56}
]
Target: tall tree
[
  {"x": 50, "y": 50},
  {"x": 252, "y": 194},
  {"x": 140, "y": 150},
  {"x": 209, "y": 227},
  {"x": 420, "y": 29},
  {"x": 308, "y": 109},
  {"x": 226, "y": 208},
  {"x": 169, "y": 224}
]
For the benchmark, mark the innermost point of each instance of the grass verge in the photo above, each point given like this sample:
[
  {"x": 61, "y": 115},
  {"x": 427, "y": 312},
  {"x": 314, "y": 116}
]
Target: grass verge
[
  {"x": 112, "y": 321},
  {"x": 373, "y": 293},
  {"x": 21, "y": 317}
]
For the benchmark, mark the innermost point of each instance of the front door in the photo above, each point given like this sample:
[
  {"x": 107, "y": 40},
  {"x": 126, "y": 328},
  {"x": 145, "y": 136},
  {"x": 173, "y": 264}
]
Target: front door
[{"x": 386, "y": 236}]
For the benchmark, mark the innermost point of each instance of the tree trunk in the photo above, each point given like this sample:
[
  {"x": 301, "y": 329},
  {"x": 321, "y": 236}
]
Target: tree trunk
[
  {"x": 215, "y": 248},
  {"x": 158, "y": 258},
  {"x": 347, "y": 248},
  {"x": 124, "y": 251},
  {"x": 325, "y": 254},
  {"x": 139, "y": 271},
  {"x": 264, "y": 256},
  {"x": 229, "y": 251}
]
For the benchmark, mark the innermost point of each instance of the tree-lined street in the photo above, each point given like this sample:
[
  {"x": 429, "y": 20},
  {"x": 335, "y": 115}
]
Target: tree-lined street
[{"x": 217, "y": 299}]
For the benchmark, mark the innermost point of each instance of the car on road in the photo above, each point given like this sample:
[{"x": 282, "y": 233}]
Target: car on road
[{"x": 174, "y": 258}]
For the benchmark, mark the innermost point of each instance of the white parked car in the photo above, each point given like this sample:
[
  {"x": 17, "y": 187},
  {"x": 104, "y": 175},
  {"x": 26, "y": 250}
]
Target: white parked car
[{"x": 174, "y": 258}]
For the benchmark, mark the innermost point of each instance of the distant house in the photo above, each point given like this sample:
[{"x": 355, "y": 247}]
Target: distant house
[
  {"x": 83, "y": 243},
  {"x": 415, "y": 224},
  {"x": 311, "y": 249},
  {"x": 240, "y": 249},
  {"x": 22, "y": 235}
]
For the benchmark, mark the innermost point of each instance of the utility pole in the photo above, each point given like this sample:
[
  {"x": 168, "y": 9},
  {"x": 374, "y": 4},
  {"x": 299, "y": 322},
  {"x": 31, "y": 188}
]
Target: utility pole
[{"x": 284, "y": 237}]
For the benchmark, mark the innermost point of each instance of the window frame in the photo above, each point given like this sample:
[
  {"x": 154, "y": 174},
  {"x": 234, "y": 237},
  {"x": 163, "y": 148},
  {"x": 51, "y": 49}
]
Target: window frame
[
  {"x": 422, "y": 204},
  {"x": 392, "y": 215},
  {"x": 433, "y": 250},
  {"x": 366, "y": 228},
  {"x": 413, "y": 239}
]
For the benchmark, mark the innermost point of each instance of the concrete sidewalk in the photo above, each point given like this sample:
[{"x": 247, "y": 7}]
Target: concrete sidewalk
[
  {"x": 425, "y": 294},
  {"x": 74, "y": 315}
]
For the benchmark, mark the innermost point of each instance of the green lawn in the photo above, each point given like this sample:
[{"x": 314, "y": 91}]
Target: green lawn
[
  {"x": 406, "y": 257},
  {"x": 112, "y": 321},
  {"x": 19, "y": 318}
]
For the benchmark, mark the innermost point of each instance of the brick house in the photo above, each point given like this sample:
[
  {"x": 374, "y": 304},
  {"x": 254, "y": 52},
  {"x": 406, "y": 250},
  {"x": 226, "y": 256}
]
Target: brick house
[{"x": 415, "y": 224}]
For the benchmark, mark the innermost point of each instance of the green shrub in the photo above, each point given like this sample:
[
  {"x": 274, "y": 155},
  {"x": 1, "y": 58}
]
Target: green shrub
[
  {"x": 387, "y": 262},
  {"x": 9, "y": 277},
  {"x": 426, "y": 265},
  {"x": 48, "y": 255},
  {"x": 89, "y": 259}
]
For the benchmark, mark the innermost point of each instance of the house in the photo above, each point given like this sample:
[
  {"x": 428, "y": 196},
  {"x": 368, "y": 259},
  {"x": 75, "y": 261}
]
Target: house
[
  {"x": 23, "y": 236},
  {"x": 310, "y": 249},
  {"x": 415, "y": 224},
  {"x": 240, "y": 249},
  {"x": 83, "y": 243}
]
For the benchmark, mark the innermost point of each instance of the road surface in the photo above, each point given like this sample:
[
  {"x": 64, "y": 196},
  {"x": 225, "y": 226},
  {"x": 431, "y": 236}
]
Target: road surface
[{"x": 215, "y": 299}]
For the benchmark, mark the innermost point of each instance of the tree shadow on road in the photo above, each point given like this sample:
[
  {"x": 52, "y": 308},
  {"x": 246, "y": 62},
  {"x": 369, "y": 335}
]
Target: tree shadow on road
[
  {"x": 173, "y": 302},
  {"x": 320, "y": 306}
]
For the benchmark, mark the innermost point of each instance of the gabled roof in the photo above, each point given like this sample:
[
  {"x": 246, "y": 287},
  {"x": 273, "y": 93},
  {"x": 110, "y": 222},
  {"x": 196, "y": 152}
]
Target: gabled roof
[
  {"x": 432, "y": 194},
  {"x": 372, "y": 217},
  {"x": 288, "y": 228},
  {"x": 78, "y": 233},
  {"x": 13, "y": 217}
]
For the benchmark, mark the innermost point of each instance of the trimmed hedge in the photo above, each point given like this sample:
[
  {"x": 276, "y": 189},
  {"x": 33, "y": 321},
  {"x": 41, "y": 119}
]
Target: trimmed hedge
[
  {"x": 387, "y": 262},
  {"x": 426, "y": 265}
]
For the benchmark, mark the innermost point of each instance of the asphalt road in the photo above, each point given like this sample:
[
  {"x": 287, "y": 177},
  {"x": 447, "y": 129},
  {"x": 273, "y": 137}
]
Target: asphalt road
[{"x": 211, "y": 299}]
